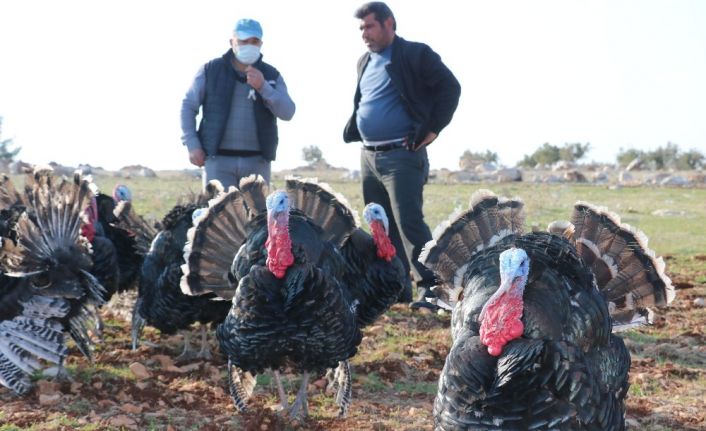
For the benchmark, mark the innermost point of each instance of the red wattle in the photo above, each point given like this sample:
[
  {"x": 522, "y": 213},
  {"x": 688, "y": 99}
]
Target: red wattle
[
  {"x": 279, "y": 249},
  {"x": 88, "y": 231},
  {"x": 385, "y": 249},
  {"x": 502, "y": 322}
]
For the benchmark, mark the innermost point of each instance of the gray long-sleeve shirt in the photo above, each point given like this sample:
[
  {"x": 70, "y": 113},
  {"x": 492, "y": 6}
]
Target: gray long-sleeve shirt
[{"x": 274, "y": 94}]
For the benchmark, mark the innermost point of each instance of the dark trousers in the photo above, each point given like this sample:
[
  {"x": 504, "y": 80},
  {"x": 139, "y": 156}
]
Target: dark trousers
[{"x": 395, "y": 179}]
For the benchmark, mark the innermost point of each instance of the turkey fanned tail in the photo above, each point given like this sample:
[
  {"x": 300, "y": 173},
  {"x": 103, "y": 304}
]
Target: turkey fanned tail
[
  {"x": 327, "y": 209},
  {"x": 627, "y": 272},
  {"x": 216, "y": 237},
  {"x": 455, "y": 241}
]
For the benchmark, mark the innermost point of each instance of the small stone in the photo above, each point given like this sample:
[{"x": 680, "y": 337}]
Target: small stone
[
  {"x": 164, "y": 360},
  {"x": 131, "y": 408},
  {"x": 123, "y": 421},
  {"x": 47, "y": 388},
  {"x": 321, "y": 383},
  {"x": 700, "y": 302},
  {"x": 49, "y": 400},
  {"x": 376, "y": 330},
  {"x": 140, "y": 371},
  {"x": 632, "y": 424},
  {"x": 191, "y": 367}
]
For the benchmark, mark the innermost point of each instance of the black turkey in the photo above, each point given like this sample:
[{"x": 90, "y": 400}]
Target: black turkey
[
  {"x": 140, "y": 229},
  {"x": 124, "y": 240},
  {"x": 161, "y": 303},
  {"x": 374, "y": 274},
  {"x": 292, "y": 308},
  {"x": 46, "y": 288},
  {"x": 533, "y": 316}
]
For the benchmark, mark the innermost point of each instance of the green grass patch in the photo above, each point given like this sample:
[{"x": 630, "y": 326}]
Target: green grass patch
[
  {"x": 264, "y": 379},
  {"x": 86, "y": 373},
  {"x": 57, "y": 421},
  {"x": 640, "y": 337},
  {"x": 372, "y": 382},
  {"x": 649, "y": 387}
]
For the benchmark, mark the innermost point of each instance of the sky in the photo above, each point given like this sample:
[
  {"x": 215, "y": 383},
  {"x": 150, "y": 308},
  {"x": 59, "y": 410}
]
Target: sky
[{"x": 101, "y": 82}]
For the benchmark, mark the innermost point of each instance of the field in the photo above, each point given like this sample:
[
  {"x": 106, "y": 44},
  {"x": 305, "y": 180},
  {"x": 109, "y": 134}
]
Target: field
[{"x": 401, "y": 356}]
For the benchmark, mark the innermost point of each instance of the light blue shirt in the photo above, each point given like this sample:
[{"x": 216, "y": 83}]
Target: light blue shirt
[{"x": 381, "y": 114}]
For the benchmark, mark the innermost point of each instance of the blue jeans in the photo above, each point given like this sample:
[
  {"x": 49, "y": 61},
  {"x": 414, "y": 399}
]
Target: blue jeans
[{"x": 395, "y": 179}]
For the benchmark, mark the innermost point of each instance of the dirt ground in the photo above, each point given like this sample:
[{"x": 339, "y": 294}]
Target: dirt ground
[{"x": 395, "y": 375}]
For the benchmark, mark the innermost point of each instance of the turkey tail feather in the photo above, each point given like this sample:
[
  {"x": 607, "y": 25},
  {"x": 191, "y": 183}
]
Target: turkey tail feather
[
  {"x": 9, "y": 195},
  {"x": 33, "y": 335},
  {"x": 456, "y": 240},
  {"x": 255, "y": 190},
  {"x": 134, "y": 223},
  {"x": 212, "y": 243},
  {"x": 626, "y": 270},
  {"x": 241, "y": 385},
  {"x": 49, "y": 226},
  {"x": 328, "y": 209}
]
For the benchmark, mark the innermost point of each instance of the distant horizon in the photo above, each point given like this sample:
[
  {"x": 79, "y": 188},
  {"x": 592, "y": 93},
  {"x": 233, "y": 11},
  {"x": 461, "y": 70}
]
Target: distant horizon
[{"x": 585, "y": 161}]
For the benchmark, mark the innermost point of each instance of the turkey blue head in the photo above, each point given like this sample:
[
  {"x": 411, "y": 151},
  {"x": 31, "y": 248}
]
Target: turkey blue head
[
  {"x": 374, "y": 214},
  {"x": 121, "y": 193},
  {"x": 279, "y": 243},
  {"x": 501, "y": 316}
]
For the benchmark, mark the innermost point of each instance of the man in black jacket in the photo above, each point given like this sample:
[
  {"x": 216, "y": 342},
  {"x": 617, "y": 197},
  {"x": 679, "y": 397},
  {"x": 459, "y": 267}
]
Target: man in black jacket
[{"x": 404, "y": 98}]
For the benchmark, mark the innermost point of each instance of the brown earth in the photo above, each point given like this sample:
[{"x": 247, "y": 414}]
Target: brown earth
[{"x": 395, "y": 377}]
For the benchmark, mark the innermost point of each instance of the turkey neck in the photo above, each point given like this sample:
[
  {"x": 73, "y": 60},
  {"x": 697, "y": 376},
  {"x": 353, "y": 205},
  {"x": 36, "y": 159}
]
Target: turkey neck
[
  {"x": 385, "y": 249},
  {"x": 278, "y": 244},
  {"x": 501, "y": 317}
]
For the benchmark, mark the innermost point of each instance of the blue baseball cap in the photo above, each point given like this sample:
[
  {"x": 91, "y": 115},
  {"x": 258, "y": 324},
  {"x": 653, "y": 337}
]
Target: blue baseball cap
[{"x": 247, "y": 28}]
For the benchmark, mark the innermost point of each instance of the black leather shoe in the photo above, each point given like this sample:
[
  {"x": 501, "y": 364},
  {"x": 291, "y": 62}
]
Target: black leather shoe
[
  {"x": 423, "y": 299},
  {"x": 423, "y": 303}
]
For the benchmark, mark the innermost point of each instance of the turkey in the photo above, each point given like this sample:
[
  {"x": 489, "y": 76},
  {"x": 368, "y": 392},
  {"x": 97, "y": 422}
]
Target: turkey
[
  {"x": 160, "y": 302},
  {"x": 124, "y": 240},
  {"x": 46, "y": 288},
  {"x": 117, "y": 253},
  {"x": 140, "y": 229},
  {"x": 533, "y": 316},
  {"x": 298, "y": 302},
  {"x": 374, "y": 274}
]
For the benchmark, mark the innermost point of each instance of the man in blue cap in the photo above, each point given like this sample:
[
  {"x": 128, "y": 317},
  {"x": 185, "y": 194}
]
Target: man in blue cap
[{"x": 241, "y": 98}]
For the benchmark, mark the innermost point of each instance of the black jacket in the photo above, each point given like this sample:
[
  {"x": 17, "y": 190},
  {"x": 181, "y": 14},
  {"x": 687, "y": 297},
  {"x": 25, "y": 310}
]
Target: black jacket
[{"x": 428, "y": 89}]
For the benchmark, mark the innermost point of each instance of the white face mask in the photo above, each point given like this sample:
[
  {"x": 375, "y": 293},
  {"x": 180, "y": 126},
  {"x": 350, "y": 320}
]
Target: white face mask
[{"x": 247, "y": 54}]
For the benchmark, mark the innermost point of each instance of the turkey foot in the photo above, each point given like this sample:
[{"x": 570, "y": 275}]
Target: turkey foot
[
  {"x": 205, "y": 352},
  {"x": 299, "y": 409}
]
